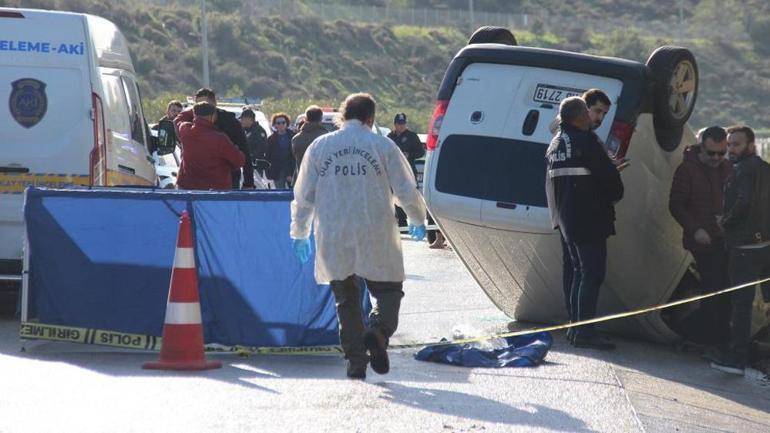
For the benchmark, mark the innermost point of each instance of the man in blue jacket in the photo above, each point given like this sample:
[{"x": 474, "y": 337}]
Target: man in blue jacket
[{"x": 582, "y": 185}]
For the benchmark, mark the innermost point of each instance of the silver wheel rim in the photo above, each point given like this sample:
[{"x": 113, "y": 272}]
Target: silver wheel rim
[{"x": 683, "y": 86}]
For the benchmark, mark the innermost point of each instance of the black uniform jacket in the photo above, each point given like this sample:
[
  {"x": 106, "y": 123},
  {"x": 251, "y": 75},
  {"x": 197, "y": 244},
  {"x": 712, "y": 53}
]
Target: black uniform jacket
[
  {"x": 582, "y": 186},
  {"x": 410, "y": 145}
]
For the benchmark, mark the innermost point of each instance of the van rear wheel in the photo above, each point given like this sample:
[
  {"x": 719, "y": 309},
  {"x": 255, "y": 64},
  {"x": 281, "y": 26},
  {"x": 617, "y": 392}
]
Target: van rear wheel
[
  {"x": 675, "y": 89},
  {"x": 492, "y": 35}
]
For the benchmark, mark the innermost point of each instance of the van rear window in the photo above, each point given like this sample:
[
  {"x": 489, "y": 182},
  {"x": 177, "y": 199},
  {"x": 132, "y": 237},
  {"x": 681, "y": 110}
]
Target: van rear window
[{"x": 490, "y": 168}]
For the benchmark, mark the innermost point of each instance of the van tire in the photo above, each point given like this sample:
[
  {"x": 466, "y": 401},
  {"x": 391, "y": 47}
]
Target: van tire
[
  {"x": 492, "y": 35},
  {"x": 675, "y": 87}
]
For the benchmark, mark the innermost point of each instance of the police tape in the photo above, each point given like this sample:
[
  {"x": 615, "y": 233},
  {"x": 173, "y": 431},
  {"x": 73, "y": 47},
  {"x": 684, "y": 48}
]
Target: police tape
[
  {"x": 71, "y": 334},
  {"x": 40, "y": 331}
]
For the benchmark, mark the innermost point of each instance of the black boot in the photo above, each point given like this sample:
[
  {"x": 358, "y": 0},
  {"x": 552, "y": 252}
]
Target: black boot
[
  {"x": 377, "y": 346},
  {"x": 357, "y": 370}
]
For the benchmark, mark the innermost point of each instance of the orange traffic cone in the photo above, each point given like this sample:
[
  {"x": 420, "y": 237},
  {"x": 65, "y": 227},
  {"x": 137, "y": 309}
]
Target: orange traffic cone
[{"x": 182, "y": 345}]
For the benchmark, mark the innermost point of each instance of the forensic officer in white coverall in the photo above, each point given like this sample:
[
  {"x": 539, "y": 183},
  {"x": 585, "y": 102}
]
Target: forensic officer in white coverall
[{"x": 346, "y": 188}]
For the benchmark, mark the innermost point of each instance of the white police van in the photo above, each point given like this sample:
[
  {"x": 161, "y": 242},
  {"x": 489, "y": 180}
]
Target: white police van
[
  {"x": 485, "y": 175},
  {"x": 70, "y": 113}
]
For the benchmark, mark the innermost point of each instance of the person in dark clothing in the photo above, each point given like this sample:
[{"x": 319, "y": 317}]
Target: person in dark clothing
[
  {"x": 406, "y": 140},
  {"x": 256, "y": 139},
  {"x": 749, "y": 254},
  {"x": 411, "y": 146},
  {"x": 279, "y": 153},
  {"x": 582, "y": 185},
  {"x": 695, "y": 203},
  {"x": 310, "y": 130},
  {"x": 173, "y": 108},
  {"x": 227, "y": 123},
  {"x": 208, "y": 156},
  {"x": 598, "y": 104}
]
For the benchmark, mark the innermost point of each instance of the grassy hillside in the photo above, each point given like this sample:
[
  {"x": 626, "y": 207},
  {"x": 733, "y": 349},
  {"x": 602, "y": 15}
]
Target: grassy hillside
[{"x": 292, "y": 62}]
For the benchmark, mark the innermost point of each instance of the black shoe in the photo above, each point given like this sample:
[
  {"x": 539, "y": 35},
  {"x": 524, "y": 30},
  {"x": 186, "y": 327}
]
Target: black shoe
[
  {"x": 378, "y": 355},
  {"x": 357, "y": 370},
  {"x": 592, "y": 341},
  {"x": 727, "y": 364}
]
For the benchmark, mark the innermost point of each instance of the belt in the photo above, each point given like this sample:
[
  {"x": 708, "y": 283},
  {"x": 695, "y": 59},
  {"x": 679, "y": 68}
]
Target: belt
[{"x": 568, "y": 171}]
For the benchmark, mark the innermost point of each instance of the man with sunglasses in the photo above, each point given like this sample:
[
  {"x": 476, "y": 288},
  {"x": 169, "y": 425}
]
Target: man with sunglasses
[{"x": 695, "y": 202}]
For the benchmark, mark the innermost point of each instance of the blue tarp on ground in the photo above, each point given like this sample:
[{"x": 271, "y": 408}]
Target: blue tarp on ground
[
  {"x": 102, "y": 259},
  {"x": 522, "y": 351}
]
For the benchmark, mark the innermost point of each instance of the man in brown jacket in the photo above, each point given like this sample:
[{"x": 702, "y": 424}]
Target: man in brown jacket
[
  {"x": 310, "y": 130},
  {"x": 696, "y": 202}
]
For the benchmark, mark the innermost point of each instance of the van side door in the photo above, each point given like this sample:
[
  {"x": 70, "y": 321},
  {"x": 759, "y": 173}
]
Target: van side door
[{"x": 142, "y": 167}]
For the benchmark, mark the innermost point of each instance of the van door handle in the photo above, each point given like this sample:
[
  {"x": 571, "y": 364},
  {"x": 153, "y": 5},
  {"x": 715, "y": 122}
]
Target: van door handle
[
  {"x": 506, "y": 205},
  {"x": 530, "y": 122}
]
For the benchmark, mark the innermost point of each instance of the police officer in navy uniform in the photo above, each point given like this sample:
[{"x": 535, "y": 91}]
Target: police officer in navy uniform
[
  {"x": 582, "y": 185},
  {"x": 406, "y": 140},
  {"x": 411, "y": 146}
]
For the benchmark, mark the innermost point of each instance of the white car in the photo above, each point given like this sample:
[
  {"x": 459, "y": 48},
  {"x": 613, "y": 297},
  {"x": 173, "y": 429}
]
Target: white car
[
  {"x": 485, "y": 175},
  {"x": 167, "y": 169}
]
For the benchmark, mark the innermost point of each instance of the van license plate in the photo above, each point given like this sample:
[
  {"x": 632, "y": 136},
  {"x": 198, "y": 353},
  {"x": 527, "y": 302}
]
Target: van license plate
[{"x": 549, "y": 94}]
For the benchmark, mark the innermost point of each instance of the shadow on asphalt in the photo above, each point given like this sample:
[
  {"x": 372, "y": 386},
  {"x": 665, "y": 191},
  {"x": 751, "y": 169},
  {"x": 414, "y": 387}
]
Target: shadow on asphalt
[
  {"x": 470, "y": 406},
  {"x": 129, "y": 364},
  {"x": 665, "y": 362}
]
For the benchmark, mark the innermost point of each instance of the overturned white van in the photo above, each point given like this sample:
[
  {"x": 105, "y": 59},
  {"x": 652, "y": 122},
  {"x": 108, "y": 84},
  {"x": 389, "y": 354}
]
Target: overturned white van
[
  {"x": 70, "y": 113},
  {"x": 485, "y": 175}
]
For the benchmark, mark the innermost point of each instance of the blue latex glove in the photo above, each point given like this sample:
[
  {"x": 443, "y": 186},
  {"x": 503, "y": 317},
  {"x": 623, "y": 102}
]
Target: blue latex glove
[
  {"x": 417, "y": 232},
  {"x": 302, "y": 249}
]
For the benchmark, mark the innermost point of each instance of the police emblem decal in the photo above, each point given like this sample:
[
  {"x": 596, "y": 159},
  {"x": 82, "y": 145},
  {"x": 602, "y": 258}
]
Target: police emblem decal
[{"x": 28, "y": 101}]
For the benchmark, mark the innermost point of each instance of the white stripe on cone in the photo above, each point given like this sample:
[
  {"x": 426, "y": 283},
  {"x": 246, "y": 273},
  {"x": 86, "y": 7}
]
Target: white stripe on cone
[
  {"x": 183, "y": 313},
  {"x": 184, "y": 258}
]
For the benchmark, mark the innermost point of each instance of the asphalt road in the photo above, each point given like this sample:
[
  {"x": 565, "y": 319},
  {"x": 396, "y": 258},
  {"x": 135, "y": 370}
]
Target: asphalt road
[{"x": 640, "y": 387}]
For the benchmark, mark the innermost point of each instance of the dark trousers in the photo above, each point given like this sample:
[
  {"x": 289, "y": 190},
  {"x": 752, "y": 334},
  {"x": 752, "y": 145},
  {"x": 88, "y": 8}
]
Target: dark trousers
[
  {"x": 386, "y": 303},
  {"x": 401, "y": 217},
  {"x": 568, "y": 270},
  {"x": 589, "y": 268},
  {"x": 746, "y": 265},
  {"x": 431, "y": 233},
  {"x": 714, "y": 313}
]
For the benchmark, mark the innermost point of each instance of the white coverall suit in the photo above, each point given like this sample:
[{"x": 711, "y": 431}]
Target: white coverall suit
[{"x": 348, "y": 182}]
